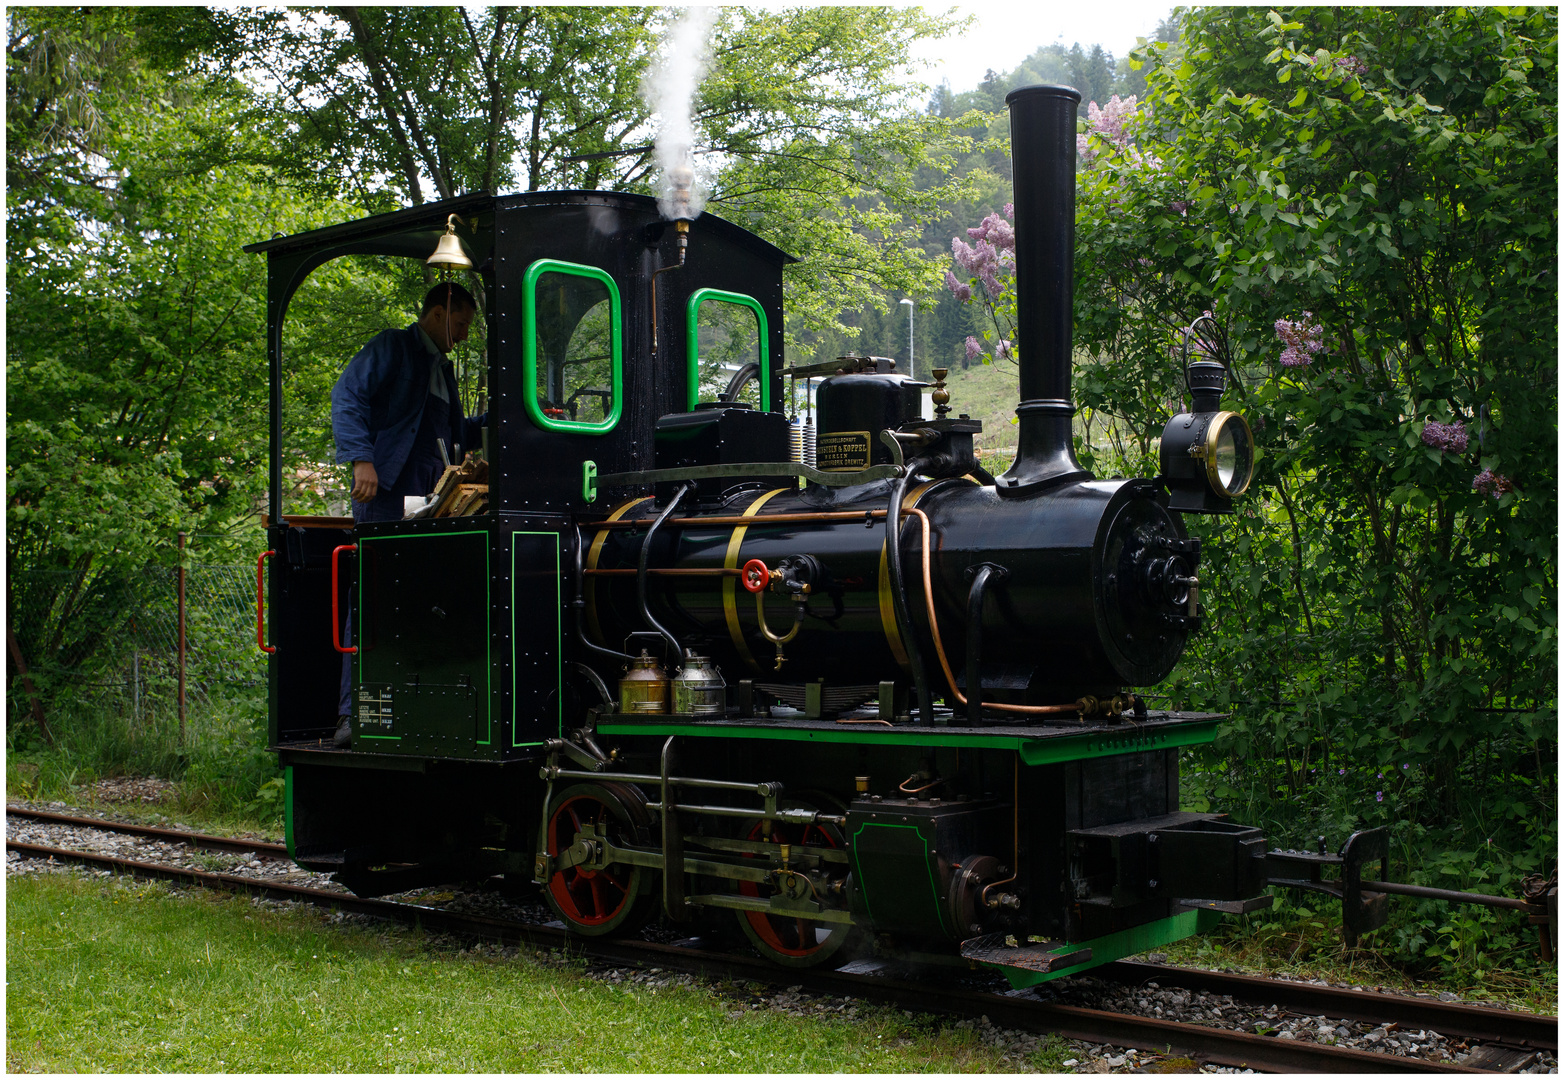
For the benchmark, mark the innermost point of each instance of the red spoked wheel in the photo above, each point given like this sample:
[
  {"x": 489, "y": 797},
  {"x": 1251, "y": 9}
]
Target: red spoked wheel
[
  {"x": 792, "y": 941},
  {"x": 597, "y": 901}
]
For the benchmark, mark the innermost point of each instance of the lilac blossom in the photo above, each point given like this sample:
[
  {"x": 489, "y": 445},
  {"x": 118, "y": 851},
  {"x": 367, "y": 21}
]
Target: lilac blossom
[
  {"x": 1010, "y": 211},
  {"x": 1106, "y": 123},
  {"x": 958, "y": 288},
  {"x": 1449, "y": 437},
  {"x": 1489, "y": 482},
  {"x": 1350, "y": 65},
  {"x": 997, "y": 231},
  {"x": 983, "y": 261},
  {"x": 974, "y": 348},
  {"x": 1005, "y": 350},
  {"x": 1303, "y": 339}
]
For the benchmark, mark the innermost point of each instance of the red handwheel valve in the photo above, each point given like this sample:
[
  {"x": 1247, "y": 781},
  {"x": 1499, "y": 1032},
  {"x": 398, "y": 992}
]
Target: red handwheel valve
[
  {"x": 260, "y": 603},
  {"x": 756, "y": 576}
]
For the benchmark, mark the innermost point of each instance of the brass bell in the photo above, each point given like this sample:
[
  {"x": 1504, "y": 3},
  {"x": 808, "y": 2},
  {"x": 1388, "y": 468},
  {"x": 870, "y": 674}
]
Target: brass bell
[{"x": 448, "y": 253}]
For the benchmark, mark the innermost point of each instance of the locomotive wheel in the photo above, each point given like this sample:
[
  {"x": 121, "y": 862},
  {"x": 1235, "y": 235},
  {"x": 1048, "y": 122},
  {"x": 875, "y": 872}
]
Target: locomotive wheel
[
  {"x": 597, "y": 902},
  {"x": 786, "y": 939}
]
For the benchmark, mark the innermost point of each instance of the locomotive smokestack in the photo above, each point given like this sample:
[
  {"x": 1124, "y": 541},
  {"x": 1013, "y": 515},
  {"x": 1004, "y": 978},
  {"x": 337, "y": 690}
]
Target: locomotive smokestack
[{"x": 1042, "y": 151}]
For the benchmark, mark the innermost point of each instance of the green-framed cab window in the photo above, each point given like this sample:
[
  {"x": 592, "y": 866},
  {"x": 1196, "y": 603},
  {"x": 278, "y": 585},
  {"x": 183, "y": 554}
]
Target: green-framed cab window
[
  {"x": 573, "y": 347},
  {"x": 724, "y": 331}
]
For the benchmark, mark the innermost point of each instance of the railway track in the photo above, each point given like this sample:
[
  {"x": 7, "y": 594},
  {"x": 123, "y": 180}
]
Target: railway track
[{"x": 1504, "y": 1041}]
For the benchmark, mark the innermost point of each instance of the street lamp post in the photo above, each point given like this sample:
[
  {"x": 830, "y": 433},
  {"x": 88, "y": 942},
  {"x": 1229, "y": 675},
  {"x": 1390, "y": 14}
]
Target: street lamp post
[{"x": 912, "y": 370}]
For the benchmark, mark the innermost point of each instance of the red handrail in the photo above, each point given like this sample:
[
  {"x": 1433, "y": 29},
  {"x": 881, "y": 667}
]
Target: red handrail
[
  {"x": 336, "y": 620},
  {"x": 260, "y": 603}
]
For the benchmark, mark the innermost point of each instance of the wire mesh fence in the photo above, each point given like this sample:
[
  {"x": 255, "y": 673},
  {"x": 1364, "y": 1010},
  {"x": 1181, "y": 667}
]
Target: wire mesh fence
[{"x": 110, "y": 641}]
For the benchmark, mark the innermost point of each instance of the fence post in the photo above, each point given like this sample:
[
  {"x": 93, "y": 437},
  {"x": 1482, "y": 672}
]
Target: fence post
[{"x": 181, "y": 580}]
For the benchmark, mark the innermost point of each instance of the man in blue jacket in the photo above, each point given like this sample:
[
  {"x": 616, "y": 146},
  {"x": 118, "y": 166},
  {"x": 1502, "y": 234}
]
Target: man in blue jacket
[
  {"x": 395, "y": 406},
  {"x": 393, "y": 410}
]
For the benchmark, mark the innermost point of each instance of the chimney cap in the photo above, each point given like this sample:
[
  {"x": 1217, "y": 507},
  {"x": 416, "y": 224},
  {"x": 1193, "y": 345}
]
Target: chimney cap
[{"x": 1044, "y": 90}]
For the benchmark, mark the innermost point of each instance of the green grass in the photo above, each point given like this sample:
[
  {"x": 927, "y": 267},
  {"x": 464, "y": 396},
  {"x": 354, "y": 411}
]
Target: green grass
[
  {"x": 222, "y": 771},
  {"x": 1300, "y": 943},
  {"x": 111, "y": 976}
]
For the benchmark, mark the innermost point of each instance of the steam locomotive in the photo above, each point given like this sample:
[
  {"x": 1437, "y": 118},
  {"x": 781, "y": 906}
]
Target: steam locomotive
[{"x": 883, "y": 697}]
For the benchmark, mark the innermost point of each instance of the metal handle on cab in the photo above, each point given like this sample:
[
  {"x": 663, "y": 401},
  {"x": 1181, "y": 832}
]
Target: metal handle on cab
[
  {"x": 336, "y": 619},
  {"x": 260, "y": 602}
]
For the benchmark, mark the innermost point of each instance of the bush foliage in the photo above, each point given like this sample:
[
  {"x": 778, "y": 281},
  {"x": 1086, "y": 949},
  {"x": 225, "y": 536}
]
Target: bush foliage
[{"x": 1367, "y": 200}]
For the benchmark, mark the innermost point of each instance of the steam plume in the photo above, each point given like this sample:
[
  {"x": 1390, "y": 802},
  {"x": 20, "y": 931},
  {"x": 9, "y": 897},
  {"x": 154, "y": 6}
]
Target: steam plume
[{"x": 669, "y": 88}]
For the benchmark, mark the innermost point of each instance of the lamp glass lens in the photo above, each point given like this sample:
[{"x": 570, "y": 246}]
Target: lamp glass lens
[{"x": 1233, "y": 457}]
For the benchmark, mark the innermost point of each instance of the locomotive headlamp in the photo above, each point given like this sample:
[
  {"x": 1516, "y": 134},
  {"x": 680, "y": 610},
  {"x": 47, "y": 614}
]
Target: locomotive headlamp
[
  {"x": 1207, "y": 454},
  {"x": 448, "y": 253}
]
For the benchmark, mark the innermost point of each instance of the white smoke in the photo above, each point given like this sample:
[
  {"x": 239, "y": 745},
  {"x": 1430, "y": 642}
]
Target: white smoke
[{"x": 669, "y": 88}]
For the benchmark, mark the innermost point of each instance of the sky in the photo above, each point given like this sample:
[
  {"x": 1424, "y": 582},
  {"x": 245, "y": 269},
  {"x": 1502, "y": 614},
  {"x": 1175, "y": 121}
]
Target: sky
[{"x": 1005, "y": 32}]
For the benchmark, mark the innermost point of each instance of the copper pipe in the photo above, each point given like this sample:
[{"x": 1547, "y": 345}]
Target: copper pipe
[
  {"x": 904, "y": 789},
  {"x": 676, "y": 571},
  {"x": 1015, "y": 832},
  {"x": 939, "y": 645},
  {"x": 758, "y": 519},
  {"x": 851, "y": 515},
  {"x": 865, "y": 720}
]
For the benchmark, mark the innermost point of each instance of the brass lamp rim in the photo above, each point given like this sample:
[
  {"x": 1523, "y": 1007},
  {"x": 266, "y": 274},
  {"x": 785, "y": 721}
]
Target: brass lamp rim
[{"x": 1206, "y": 452}]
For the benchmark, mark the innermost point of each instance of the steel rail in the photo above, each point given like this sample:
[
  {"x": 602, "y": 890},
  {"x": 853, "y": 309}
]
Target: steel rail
[
  {"x": 1530, "y": 1030},
  {"x": 1093, "y": 1025},
  {"x": 195, "y": 840}
]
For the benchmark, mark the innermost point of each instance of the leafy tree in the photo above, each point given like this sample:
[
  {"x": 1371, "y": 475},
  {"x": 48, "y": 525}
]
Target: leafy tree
[
  {"x": 1366, "y": 199},
  {"x": 808, "y": 132},
  {"x": 1367, "y": 202},
  {"x": 136, "y": 394}
]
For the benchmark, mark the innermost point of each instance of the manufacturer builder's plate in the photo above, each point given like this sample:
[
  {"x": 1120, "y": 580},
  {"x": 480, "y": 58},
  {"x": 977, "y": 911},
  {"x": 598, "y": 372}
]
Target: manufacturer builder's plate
[
  {"x": 374, "y": 706},
  {"x": 840, "y": 451}
]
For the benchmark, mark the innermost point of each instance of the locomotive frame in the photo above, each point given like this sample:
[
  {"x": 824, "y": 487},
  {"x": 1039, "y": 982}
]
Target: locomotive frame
[{"x": 1037, "y": 829}]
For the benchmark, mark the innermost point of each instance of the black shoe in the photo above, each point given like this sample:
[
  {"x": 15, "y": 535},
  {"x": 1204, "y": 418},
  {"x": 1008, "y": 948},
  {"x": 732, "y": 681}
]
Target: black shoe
[{"x": 344, "y": 733}]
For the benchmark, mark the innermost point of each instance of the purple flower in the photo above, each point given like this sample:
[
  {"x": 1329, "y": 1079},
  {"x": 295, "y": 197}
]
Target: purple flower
[
  {"x": 963, "y": 253},
  {"x": 996, "y": 231},
  {"x": 1406, "y": 766},
  {"x": 981, "y": 260},
  {"x": 1005, "y": 350},
  {"x": 1303, "y": 339},
  {"x": 959, "y": 289},
  {"x": 1379, "y": 776},
  {"x": 1010, "y": 210},
  {"x": 974, "y": 348},
  {"x": 1489, "y": 482},
  {"x": 1379, "y": 796},
  {"x": 1450, "y": 437},
  {"x": 1107, "y": 123},
  {"x": 1351, "y": 65}
]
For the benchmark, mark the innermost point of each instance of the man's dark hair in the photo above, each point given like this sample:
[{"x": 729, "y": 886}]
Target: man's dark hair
[{"x": 448, "y": 295}]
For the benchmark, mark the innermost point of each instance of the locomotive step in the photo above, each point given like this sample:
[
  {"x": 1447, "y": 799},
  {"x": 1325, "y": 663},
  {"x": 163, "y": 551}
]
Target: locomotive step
[{"x": 1003, "y": 950}]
